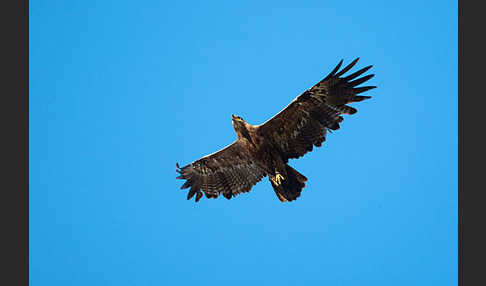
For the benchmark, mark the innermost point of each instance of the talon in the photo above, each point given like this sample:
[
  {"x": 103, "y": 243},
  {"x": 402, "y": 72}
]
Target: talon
[{"x": 278, "y": 179}]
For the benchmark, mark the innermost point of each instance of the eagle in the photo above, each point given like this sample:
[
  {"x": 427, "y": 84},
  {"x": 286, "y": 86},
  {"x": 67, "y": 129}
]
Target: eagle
[{"x": 264, "y": 150}]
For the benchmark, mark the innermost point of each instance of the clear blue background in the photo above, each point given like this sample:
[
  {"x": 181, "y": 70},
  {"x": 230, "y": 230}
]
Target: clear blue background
[{"x": 122, "y": 90}]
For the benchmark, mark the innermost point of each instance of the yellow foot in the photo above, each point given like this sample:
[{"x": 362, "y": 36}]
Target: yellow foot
[{"x": 278, "y": 179}]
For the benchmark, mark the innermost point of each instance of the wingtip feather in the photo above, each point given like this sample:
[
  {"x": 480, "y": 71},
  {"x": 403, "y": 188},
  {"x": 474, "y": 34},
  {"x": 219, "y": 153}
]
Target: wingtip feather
[
  {"x": 348, "y": 67},
  {"x": 333, "y": 72},
  {"x": 198, "y": 196},
  {"x": 186, "y": 185}
]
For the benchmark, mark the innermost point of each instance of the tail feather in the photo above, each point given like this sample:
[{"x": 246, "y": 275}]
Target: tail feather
[{"x": 291, "y": 187}]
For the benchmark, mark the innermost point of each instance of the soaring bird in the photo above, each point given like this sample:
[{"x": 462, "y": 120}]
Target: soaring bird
[{"x": 264, "y": 150}]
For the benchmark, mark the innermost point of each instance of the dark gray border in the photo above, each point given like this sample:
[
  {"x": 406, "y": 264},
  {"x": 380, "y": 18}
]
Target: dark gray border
[
  {"x": 15, "y": 143},
  {"x": 472, "y": 163}
]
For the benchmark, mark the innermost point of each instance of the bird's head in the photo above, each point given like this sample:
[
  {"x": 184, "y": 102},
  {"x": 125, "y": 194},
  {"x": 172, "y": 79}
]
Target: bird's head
[
  {"x": 240, "y": 126},
  {"x": 238, "y": 122}
]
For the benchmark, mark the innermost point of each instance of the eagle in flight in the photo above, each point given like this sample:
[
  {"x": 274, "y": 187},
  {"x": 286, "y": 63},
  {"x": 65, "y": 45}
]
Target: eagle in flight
[{"x": 264, "y": 150}]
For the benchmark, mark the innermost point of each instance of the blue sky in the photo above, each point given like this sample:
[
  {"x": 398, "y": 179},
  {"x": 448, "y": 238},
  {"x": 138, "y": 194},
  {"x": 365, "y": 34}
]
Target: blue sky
[{"x": 122, "y": 90}]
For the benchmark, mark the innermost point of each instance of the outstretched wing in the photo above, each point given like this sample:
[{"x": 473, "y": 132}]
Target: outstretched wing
[
  {"x": 230, "y": 171},
  {"x": 304, "y": 122}
]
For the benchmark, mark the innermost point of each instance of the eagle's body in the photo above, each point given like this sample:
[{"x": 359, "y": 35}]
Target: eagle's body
[{"x": 264, "y": 150}]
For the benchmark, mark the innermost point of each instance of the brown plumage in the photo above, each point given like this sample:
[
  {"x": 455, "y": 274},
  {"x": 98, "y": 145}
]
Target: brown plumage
[{"x": 264, "y": 150}]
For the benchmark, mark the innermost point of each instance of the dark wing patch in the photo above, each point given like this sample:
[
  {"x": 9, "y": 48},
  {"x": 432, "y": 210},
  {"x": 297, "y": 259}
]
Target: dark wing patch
[
  {"x": 304, "y": 122},
  {"x": 230, "y": 172}
]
